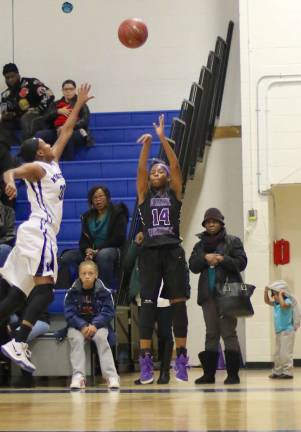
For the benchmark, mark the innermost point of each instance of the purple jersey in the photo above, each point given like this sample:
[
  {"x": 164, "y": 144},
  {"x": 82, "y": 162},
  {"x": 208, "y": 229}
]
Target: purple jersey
[{"x": 160, "y": 217}]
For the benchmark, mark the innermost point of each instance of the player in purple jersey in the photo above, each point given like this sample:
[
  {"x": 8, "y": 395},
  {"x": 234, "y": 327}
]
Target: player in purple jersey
[
  {"x": 31, "y": 267},
  {"x": 162, "y": 258}
]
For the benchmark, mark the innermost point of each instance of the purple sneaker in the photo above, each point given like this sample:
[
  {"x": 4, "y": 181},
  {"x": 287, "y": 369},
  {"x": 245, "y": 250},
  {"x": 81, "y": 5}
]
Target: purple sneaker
[
  {"x": 146, "y": 369},
  {"x": 180, "y": 367}
]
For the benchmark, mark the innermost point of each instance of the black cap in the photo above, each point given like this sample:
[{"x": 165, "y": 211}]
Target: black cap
[
  {"x": 213, "y": 213},
  {"x": 29, "y": 149},
  {"x": 10, "y": 67}
]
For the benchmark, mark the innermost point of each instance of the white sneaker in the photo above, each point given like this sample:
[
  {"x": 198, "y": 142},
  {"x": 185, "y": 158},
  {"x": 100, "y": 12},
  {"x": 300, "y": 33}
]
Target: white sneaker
[
  {"x": 78, "y": 382},
  {"x": 113, "y": 383},
  {"x": 19, "y": 353}
]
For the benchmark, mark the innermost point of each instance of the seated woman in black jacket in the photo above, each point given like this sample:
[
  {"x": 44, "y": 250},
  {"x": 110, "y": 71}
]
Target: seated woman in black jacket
[
  {"x": 56, "y": 116},
  {"x": 217, "y": 256},
  {"x": 103, "y": 233}
]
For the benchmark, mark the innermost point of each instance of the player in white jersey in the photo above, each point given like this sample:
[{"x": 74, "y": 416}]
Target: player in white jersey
[{"x": 31, "y": 267}]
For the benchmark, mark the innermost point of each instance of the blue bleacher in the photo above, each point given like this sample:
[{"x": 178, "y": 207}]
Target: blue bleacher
[{"x": 112, "y": 162}]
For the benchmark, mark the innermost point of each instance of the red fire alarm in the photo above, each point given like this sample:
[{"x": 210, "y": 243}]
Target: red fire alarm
[{"x": 281, "y": 252}]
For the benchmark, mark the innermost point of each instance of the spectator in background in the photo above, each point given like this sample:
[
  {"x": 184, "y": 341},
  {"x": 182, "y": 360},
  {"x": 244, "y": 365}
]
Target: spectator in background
[
  {"x": 7, "y": 230},
  {"x": 103, "y": 234},
  {"x": 89, "y": 310},
  {"x": 218, "y": 257},
  {"x": 56, "y": 116},
  {"x": 23, "y": 102}
]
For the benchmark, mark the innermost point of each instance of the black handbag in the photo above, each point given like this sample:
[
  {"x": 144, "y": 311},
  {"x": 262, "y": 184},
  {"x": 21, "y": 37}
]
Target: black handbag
[{"x": 234, "y": 299}]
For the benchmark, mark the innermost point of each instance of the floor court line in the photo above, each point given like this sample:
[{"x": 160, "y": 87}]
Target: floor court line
[{"x": 152, "y": 391}]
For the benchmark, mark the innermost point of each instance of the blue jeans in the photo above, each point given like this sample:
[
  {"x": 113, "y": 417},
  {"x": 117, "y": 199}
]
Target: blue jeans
[
  {"x": 106, "y": 259},
  {"x": 4, "y": 252}
]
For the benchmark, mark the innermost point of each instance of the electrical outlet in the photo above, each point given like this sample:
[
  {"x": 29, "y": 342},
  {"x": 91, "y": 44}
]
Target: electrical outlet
[{"x": 252, "y": 215}]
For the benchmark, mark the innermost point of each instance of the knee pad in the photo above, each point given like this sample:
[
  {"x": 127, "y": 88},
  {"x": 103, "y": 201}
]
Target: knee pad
[
  {"x": 179, "y": 319},
  {"x": 40, "y": 297},
  {"x": 147, "y": 319}
]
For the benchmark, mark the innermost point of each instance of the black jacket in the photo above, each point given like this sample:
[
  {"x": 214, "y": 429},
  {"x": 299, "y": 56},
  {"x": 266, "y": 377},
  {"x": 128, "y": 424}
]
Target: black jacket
[
  {"x": 7, "y": 225},
  {"x": 235, "y": 260},
  {"x": 84, "y": 115},
  {"x": 119, "y": 216},
  {"x": 29, "y": 93}
]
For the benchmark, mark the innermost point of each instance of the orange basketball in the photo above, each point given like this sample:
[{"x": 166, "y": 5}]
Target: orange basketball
[{"x": 132, "y": 33}]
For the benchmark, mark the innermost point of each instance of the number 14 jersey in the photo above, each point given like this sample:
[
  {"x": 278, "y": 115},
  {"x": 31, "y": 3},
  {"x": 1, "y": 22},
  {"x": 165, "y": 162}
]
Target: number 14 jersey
[{"x": 160, "y": 217}]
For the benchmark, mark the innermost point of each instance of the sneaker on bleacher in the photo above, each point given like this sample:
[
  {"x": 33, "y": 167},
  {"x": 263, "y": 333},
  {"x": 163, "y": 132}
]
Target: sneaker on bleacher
[
  {"x": 78, "y": 382},
  {"x": 19, "y": 353}
]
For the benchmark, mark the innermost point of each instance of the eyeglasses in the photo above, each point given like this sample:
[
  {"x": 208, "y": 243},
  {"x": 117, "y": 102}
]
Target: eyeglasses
[{"x": 68, "y": 88}]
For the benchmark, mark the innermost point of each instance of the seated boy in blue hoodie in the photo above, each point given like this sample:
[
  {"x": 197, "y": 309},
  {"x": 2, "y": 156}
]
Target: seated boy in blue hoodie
[{"x": 89, "y": 310}]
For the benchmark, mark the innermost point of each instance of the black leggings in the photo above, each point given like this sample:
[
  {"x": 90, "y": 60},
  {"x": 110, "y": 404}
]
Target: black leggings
[{"x": 11, "y": 300}]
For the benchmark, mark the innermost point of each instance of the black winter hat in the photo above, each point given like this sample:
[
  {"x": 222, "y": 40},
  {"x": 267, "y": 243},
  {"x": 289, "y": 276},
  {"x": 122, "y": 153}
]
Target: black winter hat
[{"x": 213, "y": 213}]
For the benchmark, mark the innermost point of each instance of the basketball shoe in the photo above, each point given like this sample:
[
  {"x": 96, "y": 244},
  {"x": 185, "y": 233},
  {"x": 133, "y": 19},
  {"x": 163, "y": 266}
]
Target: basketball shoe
[
  {"x": 19, "y": 353},
  {"x": 146, "y": 369},
  {"x": 181, "y": 368}
]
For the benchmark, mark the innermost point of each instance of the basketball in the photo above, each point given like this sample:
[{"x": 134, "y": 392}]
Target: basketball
[{"x": 132, "y": 33}]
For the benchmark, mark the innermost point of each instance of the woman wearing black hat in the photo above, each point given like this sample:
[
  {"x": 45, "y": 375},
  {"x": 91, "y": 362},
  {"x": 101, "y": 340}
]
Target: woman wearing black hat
[
  {"x": 31, "y": 267},
  {"x": 217, "y": 256}
]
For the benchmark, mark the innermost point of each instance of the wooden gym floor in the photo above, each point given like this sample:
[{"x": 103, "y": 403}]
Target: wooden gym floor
[{"x": 257, "y": 404}]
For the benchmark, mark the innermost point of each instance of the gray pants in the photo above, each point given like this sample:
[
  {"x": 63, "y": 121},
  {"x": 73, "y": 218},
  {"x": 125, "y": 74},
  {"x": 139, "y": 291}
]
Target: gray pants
[
  {"x": 283, "y": 357},
  {"x": 217, "y": 327},
  {"x": 78, "y": 357}
]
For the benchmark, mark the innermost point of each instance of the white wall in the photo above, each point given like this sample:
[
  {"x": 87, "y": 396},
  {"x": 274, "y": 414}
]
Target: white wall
[
  {"x": 270, "y": 47},
  {"x": 6, "y": 52},
  {"x": 84, "y": 45}
]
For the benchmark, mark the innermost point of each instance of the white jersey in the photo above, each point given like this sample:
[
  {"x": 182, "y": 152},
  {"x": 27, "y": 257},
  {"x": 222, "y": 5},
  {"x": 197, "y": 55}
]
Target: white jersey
[
  {"x": 46, "y": 196},
  {"x": 35, "y": 251}
]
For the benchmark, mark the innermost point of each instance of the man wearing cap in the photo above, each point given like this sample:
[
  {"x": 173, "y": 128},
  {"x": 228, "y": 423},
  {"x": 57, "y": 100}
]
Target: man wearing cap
[
  {"x": 217, "y": 256},
  {"x": 22, "y": 103},
  {"x": 31, "y": 267}
]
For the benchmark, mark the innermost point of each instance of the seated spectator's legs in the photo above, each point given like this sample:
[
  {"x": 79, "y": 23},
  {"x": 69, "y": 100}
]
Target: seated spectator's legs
[
  {"x": 47, "y": 135},
  {"x": 70, "y": 258},
  {"x": 106, "y": 260},
  {"x": 40, "y": 328},
  {"x": 8, "y": 132},
  {"x": 27, "y": 123},
  {"x": 105, "y": 355},
  {"x": 77, "y": 352},
  {"x": 4, "y": 252},
  {"x": 76, "y": 140}
]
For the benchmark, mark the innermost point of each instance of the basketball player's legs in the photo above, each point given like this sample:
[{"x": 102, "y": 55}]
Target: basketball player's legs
[
  {"x": 150, "y": 280},
  {"x": 32, "y": 268},
  {"x": 175, "y": 288},
  {"x": 40, "y": 297}
]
